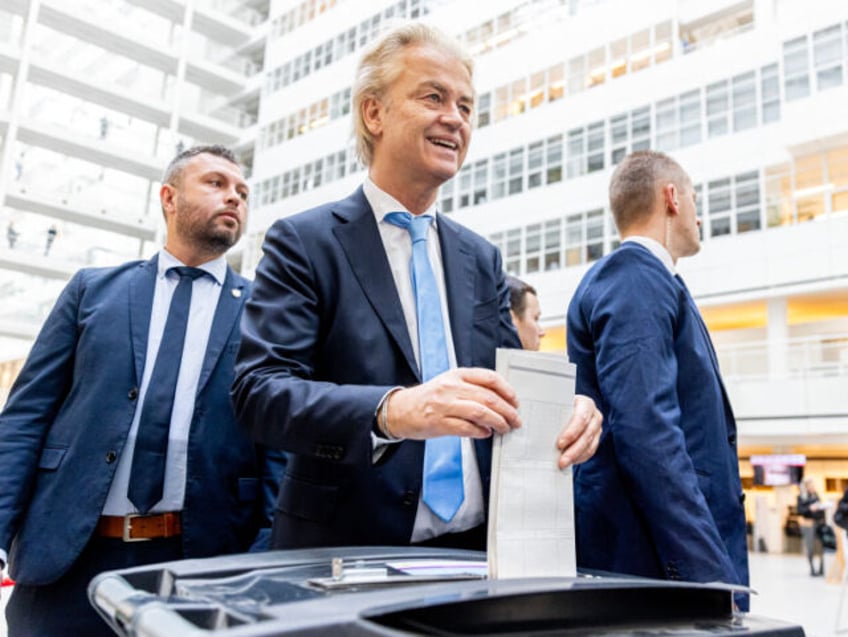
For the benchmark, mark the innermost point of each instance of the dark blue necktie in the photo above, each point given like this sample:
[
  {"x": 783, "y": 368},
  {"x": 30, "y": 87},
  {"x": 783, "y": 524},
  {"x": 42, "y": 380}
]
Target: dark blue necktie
[
  {"x": 147, "y": 475},
  {"x": 443, "y": 490}
]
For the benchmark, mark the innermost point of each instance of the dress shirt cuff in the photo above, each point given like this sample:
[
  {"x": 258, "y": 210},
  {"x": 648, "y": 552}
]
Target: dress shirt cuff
[
  {"x": 381, "y": 425},
  {"x": 4, "y": 559}
]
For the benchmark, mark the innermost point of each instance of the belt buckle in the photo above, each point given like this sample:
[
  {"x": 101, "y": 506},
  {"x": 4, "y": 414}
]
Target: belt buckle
[{"x": 128, "y": 518}]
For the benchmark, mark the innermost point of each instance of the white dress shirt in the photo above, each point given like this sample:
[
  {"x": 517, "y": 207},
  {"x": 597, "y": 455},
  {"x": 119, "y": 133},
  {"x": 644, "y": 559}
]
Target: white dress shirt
[
  {"x": 657, "y": 249},
  {"x": 398, "y": 246},
  {"x": 205, "y": 293}
]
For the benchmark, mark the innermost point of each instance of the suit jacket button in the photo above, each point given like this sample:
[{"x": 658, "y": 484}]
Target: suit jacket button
[
  {"x": 409, "y": 498},
  {"x": 111, "y": 456},
  {"x": 133, "y": 393}
]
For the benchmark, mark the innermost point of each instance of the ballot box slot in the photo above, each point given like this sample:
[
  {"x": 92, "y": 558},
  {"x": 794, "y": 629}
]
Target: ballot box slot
[{"x": 566, "y": 612}]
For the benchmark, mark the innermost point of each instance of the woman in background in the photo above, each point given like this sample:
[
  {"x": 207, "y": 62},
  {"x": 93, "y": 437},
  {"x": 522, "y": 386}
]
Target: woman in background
[{"x": 811, "y": 509}]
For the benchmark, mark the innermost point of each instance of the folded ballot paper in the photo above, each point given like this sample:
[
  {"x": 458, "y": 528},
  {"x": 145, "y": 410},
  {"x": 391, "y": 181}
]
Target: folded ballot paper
[{"x": 531, "y": 503}]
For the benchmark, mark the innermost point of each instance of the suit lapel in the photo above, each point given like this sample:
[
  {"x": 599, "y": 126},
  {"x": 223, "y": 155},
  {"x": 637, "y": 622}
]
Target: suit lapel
[
  {"x": 140, "y": 292},
  {"x": 230, "y": 302},
  {"x": 460, "y": 278},
  {"x": 360, "y": 239}
]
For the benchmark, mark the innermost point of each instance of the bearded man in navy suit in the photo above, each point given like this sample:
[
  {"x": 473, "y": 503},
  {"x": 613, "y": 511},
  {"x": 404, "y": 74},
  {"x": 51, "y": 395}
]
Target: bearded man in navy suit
[
  {"x": 330, "y": 367},
  {"x": 69, "y": 431},
  {"x": 662, "y": 497}
]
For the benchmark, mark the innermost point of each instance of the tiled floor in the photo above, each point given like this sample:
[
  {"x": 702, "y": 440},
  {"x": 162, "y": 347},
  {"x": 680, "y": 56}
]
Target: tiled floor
[{"x": 785, "y": 591}]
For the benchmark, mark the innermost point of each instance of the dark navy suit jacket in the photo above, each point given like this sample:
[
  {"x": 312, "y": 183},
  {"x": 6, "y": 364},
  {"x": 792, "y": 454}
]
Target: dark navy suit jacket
[
  {"x": 323, "y": 339},
  {"x": 662, "y": 496},
  {"x": 70, "y": 410}
]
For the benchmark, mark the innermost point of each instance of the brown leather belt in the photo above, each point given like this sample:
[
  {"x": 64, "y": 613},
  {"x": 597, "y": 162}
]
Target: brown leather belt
[{"x": 137, "y": 528}]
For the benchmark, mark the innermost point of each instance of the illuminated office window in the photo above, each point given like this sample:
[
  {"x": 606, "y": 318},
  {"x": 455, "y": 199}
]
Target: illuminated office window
[
  {"x": 662, "y": 42},
  {"x": 537, "y": 89},
  {"x": 618, "y": 58},
  {"x": 556, "y": 82},
  {"x": 747, "y": 202},
  {"x": 597, "y": 66},
  {"x": 837, "y": 173},
  {"x": 518, "y": 102},
  {"x": 809, "y": 187},
  {"x": 640, "y": 50},
  {"x": 577, "y": 74},
  {"x": 501, "y": 103}
]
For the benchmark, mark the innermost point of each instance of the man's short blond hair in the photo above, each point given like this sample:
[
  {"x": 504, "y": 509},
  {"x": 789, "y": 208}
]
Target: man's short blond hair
[
  {"x": 381, "y": 65},
  {"x": 634, "y": 185}
]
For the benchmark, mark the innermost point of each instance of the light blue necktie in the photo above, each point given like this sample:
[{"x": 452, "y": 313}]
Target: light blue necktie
[{"x": 443, "y": 491}]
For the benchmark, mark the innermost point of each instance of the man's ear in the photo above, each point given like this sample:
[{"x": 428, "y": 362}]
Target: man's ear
[
  {"x": 372, "y": 115},
  {"x": 670, "y": 197},
  {"x": 167, "y": 195}
]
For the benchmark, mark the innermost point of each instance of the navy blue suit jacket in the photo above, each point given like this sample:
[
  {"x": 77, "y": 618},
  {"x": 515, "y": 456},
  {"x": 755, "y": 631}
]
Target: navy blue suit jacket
[
  {"x": 70, "y": 410},
  {"x": 323, "y": 339},
  {"x": 662, "y": 496}
]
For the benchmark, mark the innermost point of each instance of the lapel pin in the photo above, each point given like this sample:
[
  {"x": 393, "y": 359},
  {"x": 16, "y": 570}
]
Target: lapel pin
[{"x": 236, "y": 293}]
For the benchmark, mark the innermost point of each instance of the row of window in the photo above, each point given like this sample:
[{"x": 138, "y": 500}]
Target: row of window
[
  {"x": 343, "y": 44},
  {"x": 825, "y": 61},
  {"x": 725, "y": 206},
  {"x": 299, "y": 15},
  {"x": 649, "y": 46},
  {"x": 306, "y": 119}
]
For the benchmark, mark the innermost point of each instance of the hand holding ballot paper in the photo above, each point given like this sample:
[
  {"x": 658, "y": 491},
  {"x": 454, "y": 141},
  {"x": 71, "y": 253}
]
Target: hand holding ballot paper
[{"x": 531, "y": 511}]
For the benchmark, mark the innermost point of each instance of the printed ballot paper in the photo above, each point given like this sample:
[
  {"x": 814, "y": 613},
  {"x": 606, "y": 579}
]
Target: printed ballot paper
[{"x": 531, "y": 503}]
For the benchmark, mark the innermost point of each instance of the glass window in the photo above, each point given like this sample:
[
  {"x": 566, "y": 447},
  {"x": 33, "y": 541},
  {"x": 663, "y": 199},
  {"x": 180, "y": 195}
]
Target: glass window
[
  {"x": 575, "y": 153},
  {"x": 796, "y": 78},
  {"x": 719, "y": 206},
  {"x": 827, "y": 57},
  {"x": 662, "y": 42},
  {"x": 595, "y": 147},
  {"x": 484, "y": 110},
  {"x": 597, "y": 66},
  {"x": 809, "y": 187},
  {"x": 556, "y": 82},
  {"x": 574, "y": 239},
  {"x": 499, "y": 176},
  {"x": 747, "y": 202},
  {"x": 665, "y": 121},
  {"x": 516, "y": 170},
  {"x": 533, "y": 248},
  {"x": 553, "y": 244},
  {"x": 535, "y": 164},
  {"x": 501, "y": 103},
  {"x": 618, "y": 58},
  {"x": 594, "y": 235},
  {"x": 837, "y": 173},
  {"x": 640, "y": 128},
  {"x": 518, "y": 104},
  {"x": 554, "y": 159},
  {"x": 718, "y": 107},
  {"x": 689, "y": 114},
  {"x": 446, "y": 196},
  {"x": 537, "y": 89},
  {"x": 464, "y": 186},
  {"x": 577, "y": 74},
  {"x": 778, "y": 194},
  {"x": 744, "y": 101},
  {"x": 640, "y": 50},
  {"x": 481, "y": 181},
  {"x": 512, "y": 258},
  {"x": 770, "y": 93},
  {"x": 618, "y": 138}
]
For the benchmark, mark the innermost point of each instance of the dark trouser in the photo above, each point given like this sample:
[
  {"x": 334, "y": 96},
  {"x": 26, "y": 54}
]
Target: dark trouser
[{"x": 62, "y": 609}]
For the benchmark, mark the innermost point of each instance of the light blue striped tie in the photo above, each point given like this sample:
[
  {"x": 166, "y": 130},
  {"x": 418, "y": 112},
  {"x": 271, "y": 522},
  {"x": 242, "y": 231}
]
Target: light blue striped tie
[{"x": 443, "y": 491}]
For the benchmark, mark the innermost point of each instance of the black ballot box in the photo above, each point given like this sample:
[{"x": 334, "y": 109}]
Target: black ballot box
[{"x": 364, "y": 591}]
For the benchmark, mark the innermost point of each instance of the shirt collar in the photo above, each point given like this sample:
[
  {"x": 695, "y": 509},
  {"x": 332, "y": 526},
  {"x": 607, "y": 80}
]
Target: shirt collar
[
  {"x": 383, "y": 203},
  {"x": 217, "y": 268},
  {"x": 655, "y": 248}
]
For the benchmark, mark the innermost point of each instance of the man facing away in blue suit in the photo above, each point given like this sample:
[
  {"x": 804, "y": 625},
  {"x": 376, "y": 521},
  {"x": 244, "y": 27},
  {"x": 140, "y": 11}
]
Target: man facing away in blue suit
[
  {"x": 662, "y": 497},
  {"x": 335, "y": 362},
  {"x": 74, "y": 418}
]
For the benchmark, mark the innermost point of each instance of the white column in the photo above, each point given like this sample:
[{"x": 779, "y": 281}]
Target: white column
[{"x": 778, "y": 337}]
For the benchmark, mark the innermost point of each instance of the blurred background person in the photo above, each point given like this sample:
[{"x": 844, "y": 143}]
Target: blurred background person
[
  {"x": 526, "y": 312},
  {"x": 812, "y": 511}
]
